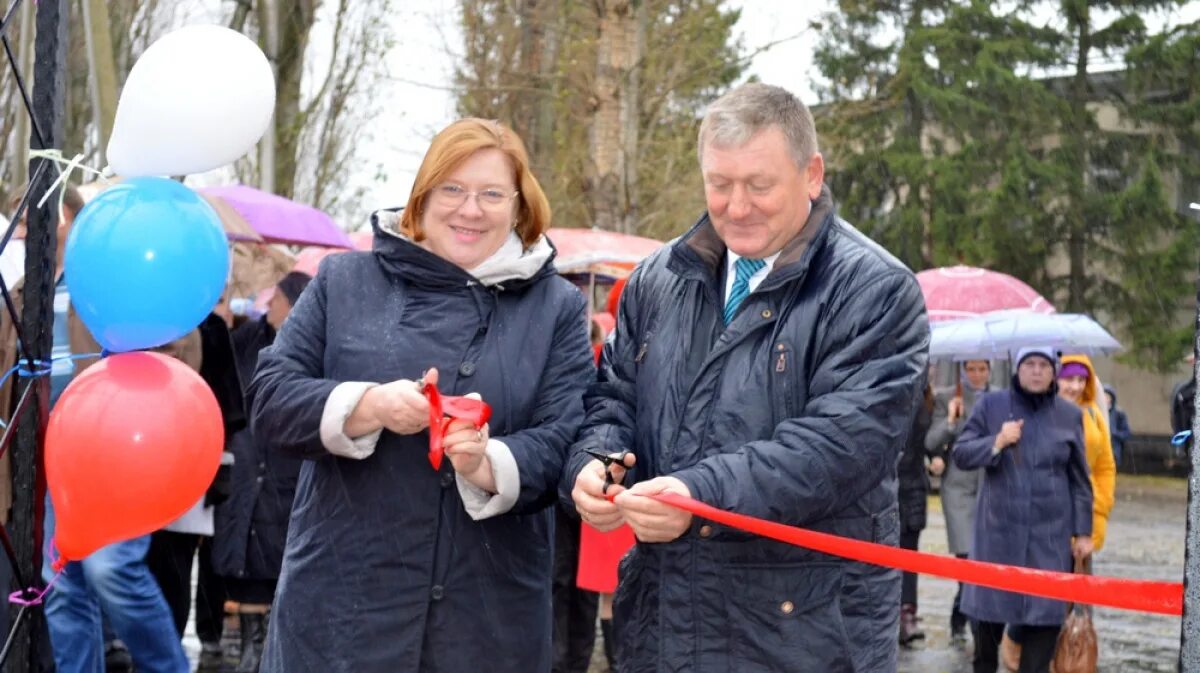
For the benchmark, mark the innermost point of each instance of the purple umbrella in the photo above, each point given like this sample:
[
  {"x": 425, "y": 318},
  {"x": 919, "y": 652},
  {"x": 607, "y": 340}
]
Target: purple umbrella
[{"x": 280, "y": 220}]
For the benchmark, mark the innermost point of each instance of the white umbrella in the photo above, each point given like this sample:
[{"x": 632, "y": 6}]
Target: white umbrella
[{"x": 995, "y": 336}]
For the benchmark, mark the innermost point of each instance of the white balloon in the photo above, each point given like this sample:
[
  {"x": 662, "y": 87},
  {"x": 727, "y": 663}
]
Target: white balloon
[{"x": 198, "y": 98}]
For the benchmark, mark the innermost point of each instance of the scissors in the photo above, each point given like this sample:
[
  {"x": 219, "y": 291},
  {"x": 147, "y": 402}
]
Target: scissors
[{"x": 609, "y": 461}]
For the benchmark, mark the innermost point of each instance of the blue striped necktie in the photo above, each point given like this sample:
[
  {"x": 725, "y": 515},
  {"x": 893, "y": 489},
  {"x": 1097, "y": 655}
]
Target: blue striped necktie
[{"x": 743, "y": 269}]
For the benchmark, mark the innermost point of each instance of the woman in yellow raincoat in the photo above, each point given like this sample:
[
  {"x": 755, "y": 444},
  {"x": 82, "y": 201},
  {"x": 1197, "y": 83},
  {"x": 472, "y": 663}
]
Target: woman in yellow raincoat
[{"x": 1078, "y": 383}]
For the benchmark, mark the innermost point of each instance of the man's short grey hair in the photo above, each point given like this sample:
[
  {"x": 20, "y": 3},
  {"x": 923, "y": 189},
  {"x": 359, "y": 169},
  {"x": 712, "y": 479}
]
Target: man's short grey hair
[{"x": 737, "y": 116}]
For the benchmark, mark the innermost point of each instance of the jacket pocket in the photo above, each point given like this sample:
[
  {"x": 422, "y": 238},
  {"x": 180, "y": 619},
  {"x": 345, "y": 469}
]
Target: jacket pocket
[
  {"x": 644, "y": 344},
  {"x": 787, "y": 618},
  {"x": 783, "y": 381}
]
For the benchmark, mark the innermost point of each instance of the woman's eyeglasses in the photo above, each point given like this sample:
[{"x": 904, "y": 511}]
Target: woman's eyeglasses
[{"x": 492, "y": 199}]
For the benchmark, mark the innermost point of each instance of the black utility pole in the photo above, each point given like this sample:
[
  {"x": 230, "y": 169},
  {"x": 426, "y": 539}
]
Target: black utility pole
[{"x": 49, "y": 87}]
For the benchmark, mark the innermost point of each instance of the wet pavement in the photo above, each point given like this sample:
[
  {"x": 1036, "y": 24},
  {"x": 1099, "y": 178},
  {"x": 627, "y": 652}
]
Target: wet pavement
[{"x": 1145, "y": 541}]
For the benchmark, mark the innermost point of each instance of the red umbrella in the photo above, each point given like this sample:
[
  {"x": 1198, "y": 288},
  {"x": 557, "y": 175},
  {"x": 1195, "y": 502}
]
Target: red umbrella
[
  {"x": 964, "y": 291},
  {"x": 597, "y": 252}
]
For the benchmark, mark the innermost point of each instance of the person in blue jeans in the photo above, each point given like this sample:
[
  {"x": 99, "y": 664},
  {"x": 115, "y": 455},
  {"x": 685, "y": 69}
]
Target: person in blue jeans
[
  {"x": 116, "y": 581},
  {"x": 113, "y": 581}
]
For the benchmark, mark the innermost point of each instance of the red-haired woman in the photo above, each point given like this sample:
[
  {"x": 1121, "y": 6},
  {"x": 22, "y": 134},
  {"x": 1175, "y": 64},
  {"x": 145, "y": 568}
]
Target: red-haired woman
[{"x": 391, "y": 565}]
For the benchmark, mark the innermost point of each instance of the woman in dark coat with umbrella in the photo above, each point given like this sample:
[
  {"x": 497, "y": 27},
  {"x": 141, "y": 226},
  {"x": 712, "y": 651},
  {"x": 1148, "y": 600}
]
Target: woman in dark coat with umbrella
[
  {"x": 1035, "y": 506},
  {"x": 390, "y": 564}
]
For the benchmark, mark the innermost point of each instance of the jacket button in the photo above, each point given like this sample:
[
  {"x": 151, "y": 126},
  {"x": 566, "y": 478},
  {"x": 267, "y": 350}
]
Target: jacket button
[
  {"x": 437, "y": 592},
  {"x": 787, "y": 607},
  {"x": 447, "y": 479},
  {"x": 262, "y": 465},
  {"x": 482, "y": 329},
  {"x": 259, "y": 479},
  {"x": 705, "y": 530},
  {"x": 466, "y": 368},
  {"x": 766, "y": 313}
]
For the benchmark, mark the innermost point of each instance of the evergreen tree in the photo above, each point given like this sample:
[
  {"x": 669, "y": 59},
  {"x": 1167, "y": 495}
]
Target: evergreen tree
[
  {"x": 1122, "y": 249},
  {"x": 923, "y": 109},
  {"x": 1157, "y": 240},
  {"x": 952, "y": 134}
]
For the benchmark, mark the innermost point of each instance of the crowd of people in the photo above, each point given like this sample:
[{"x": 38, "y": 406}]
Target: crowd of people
[
  {"x": 1028, "y": 478},
  {"x": 772, "y": 361}
]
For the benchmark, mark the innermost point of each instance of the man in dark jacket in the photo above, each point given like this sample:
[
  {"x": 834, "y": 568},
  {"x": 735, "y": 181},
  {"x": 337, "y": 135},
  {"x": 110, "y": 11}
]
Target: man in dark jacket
[{"x": 768, "y": 362}]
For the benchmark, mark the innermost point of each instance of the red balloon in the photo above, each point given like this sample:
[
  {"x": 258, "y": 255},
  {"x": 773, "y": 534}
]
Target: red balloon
[{"x": 133, "y": 443}]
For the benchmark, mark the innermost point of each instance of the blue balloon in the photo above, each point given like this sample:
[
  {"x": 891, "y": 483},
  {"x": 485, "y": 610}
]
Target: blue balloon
[{"x": 146, "y": 261}]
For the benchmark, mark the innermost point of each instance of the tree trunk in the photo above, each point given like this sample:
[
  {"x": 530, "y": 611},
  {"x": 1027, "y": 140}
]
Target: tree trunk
[
  {"x": 103, "y": 80},
  {"x": 285, "y": 28},
  {"x": 240, "y": 13},
  {"x": 606, "y": 184},
  {"x": 20, "y": 173},
  {"x": 631, "y": 118},
  {"x": 541, "y": 135},
  {"x": 1077, "y": 144},
  {"x": 914, "y": 114},
  {"x": 529, "y": 54}
]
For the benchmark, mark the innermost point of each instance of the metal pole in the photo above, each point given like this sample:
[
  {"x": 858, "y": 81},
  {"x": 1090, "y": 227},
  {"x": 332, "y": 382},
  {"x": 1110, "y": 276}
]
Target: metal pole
[
  {"x": 1189, "y": 645},
  {"x": 29, "y": 485}
]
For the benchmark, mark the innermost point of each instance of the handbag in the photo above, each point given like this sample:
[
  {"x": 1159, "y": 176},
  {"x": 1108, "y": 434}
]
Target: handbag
[{"x": 1076, "y": 650}]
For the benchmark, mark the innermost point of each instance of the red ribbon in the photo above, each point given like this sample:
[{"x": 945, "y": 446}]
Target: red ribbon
[
  {"x": 1141, "y": 595},
  {"x": 445, "y": 410}
]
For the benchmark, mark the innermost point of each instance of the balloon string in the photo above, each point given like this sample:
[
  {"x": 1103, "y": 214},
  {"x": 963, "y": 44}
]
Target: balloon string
[
  {"x": 29, "y": 596},
  {"x": 40, "y": 368},
  {"x": 65, "y": 168}
]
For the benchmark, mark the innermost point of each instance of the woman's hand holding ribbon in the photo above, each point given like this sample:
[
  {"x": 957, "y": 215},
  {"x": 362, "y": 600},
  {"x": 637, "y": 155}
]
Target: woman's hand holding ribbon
[{"x": 466, "y": 446}]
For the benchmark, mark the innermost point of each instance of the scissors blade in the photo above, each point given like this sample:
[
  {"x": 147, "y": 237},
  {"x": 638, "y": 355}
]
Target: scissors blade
[{"x": 602, "y": 457}]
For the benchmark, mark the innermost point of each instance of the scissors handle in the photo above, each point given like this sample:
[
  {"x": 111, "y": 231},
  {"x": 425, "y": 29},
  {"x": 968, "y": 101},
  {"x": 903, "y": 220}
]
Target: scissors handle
[{"x": 609, "y": 461}]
